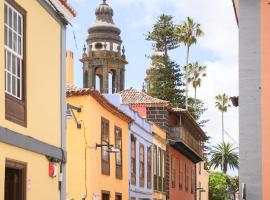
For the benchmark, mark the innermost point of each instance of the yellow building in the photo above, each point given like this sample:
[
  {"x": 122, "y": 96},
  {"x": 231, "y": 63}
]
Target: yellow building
[
  {"x": 159, "y": 141},
  {"x": 32, "y": 98},
  {"x": 95, "y": 172},
  {"x": 202, "y": 182}
]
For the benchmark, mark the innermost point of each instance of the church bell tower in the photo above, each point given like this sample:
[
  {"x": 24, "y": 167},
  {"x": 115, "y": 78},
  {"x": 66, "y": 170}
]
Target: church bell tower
[{"x": 104, "y": 55}]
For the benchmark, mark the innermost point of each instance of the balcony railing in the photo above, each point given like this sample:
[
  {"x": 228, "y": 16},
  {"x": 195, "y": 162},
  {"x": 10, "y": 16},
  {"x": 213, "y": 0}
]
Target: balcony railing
[{"x": 181, "y": 134}]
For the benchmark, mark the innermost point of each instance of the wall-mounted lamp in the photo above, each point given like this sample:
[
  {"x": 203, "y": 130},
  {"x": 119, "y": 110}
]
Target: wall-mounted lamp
[
  {"x": 70, "y": 113},
  {"x": 201, "y": 189},
  {"x": 110, "y": 148}
]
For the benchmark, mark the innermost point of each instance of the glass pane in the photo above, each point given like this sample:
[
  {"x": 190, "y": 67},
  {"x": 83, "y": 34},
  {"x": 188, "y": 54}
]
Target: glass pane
[
  {"x": 9, "y": 82},
  {"x": 13, "y": 64},
  {"x": 15, "y": 21},
  {"x": 18, "y": 67},
  {"x": 14, "y": 80},
  {"x": 6, "y": 35},
  {"x": 19, "y": 24},
  {"x": 10, "y": 17},
  {"x": 14, "y": 42},
  {"x": 8, "y": 61},
  {"x": 18, "y": 88},
  {"x": 10, "y": 38},
  {"x": 19, "y": 45},
  {"x": 6, "y": 13}
]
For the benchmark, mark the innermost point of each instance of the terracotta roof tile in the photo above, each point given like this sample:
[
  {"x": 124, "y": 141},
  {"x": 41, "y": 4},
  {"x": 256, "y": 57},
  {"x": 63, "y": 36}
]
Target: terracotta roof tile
[
  {"x": 72, "y": 90},
  {"x": 68, "y": 6},
  {"x": 133, "y": 96}
]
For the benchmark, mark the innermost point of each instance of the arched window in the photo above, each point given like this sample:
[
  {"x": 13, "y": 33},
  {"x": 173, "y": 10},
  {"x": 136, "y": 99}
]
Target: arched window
[
  {"x": 98, "y": 82},
  {"x": 111, "y": 84},
  {"x": 85, "y": 79}
]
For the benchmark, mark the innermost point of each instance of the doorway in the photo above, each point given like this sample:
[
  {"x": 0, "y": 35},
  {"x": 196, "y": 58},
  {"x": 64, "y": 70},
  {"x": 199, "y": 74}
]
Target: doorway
[
  {"x": 105, "y": 195},
  {"x": 15, "y": 181}
]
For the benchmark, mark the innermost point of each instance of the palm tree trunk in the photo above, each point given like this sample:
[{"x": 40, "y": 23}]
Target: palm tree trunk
[
  {"x": 222, "y": 115},
  {"x": 187, "y": 57},
  {"x": 195, "y": 90},
  {"x": 222, "y": 159}
]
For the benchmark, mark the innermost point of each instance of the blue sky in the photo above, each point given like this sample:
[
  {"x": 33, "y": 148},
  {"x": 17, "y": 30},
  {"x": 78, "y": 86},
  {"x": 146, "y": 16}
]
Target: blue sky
[{"x": 218, "y": 49}]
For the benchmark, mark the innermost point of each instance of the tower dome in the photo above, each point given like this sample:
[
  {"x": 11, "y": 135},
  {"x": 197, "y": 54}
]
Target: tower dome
[
  {"x": 104, "y": 55},
  {"x": 104, "y": 27}
]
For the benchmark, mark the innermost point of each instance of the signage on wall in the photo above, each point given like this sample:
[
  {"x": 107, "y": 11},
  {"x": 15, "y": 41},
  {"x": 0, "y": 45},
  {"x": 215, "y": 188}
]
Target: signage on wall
[{"x": 53, "y": 170}]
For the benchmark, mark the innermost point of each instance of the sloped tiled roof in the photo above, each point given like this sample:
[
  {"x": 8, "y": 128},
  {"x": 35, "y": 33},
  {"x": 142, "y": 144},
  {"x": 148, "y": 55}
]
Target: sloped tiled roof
[
  {"x": 68, "y": 6},
  {"x": 133, "y": 96},
  {"x": 72, "y": 90}
]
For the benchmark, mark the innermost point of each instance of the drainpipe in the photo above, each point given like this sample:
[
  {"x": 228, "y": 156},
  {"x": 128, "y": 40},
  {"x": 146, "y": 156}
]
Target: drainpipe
[{"x": 63, "y": 110}]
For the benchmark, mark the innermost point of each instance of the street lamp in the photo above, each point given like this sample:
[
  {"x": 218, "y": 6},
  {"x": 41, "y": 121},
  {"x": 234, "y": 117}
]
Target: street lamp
[{"x": 110, "y": 148}]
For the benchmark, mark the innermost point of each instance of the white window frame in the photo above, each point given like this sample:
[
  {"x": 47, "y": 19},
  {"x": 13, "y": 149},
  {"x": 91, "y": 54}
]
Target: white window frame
[{"x": 13, "y": 66}]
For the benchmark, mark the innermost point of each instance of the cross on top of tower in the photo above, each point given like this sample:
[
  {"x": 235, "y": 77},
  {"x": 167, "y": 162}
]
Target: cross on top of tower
[{"x": 104, "y": 1}]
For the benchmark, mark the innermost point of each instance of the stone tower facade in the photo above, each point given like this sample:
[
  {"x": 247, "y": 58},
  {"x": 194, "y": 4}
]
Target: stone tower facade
[{"x": 104, "y": 54}]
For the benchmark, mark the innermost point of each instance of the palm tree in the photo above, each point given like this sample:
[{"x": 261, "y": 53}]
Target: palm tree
[
  {"x": 196, "y": 72},
  {"x": 188, "y": 32},
  {"x": 222, "y": 103},
  {"x": 224, "y": 155}
]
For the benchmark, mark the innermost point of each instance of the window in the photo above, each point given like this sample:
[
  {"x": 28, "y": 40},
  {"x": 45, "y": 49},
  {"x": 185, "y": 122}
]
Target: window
[
  {"x": 149, "y": 167},
  {"x": 163, "y": 172},
  {"x": 180, "y": 175},
  {"x": 106, "y": 195},
  {"x": 14, "y": 19},
  {"x": 173, "y": 171},
  {"x": 155, "y": 166},
  {"x": 160, "y": 171},
  {"x": 192, "y": 180},
  {"x": 187, "y": 176},
  {"x": 118, "y": 196},
  {"x": 15, "y": 180},
  {"x": 118, "y": 156},
  {"x": 141, "y": 165},
  {"x": 105, "y": 155},
  {"x": 133, "y": 160},
  {"x": 200, "y": 168}
]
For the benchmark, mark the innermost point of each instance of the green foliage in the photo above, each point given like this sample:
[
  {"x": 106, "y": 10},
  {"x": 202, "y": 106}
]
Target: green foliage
[
  {"x": 218, "y": 186},
  {"x": 222, "y": 102},
  {"x": 165, "y": 81},
  {"x": 163, "y": 34},
  {"x": 188, "y": 32},
  {"x": 196, "y": 110},
  {"x": 230, "y": 156},
  {"x": 195, "y": 74},
  {"x": 233, "y": 185},
  {"x": 221, "y": 185}
]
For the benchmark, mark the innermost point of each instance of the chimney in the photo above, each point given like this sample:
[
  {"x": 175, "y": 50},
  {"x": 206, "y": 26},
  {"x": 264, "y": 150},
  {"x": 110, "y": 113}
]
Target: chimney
[{"x": 69, "y": 67}]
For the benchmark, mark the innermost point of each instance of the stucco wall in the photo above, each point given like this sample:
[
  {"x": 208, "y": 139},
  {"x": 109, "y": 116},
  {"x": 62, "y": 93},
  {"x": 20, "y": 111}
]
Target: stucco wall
[
  {"x": 265, "y": 81},
  {"x": 39, "y": 184},
  {"x": 175, "y": 193},
  {"x": 43, "y": 48},
  {"x": 90, "y": 116},
  {"x": 202, "y": 178}
]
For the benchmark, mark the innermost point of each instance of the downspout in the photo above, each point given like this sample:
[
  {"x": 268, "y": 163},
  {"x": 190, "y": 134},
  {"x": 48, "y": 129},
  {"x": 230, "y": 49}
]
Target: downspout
[{"x": 63, "y": 108}]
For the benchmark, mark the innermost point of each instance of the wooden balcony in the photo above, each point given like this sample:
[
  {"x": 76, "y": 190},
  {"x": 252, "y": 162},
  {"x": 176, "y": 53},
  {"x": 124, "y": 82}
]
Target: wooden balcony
[{"x": 183, "y": 140}]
